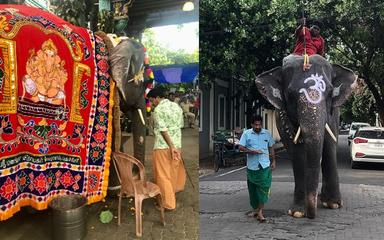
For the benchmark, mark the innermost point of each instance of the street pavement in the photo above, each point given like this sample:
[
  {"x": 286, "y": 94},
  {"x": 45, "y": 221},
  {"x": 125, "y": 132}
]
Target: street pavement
[
  {"x": 224, "y": 202},
  {"x": 182, "y": 223}
]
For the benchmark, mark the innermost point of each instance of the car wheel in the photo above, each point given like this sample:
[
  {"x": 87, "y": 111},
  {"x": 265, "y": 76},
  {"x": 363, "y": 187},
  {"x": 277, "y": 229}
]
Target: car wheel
[{"x": 353, "y": 164}]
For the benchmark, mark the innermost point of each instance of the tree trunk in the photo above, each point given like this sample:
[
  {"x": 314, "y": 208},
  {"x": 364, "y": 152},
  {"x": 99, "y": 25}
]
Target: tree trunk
[
  {"x": 381, "y": 114},
  {"x": 376, "y": 94}
]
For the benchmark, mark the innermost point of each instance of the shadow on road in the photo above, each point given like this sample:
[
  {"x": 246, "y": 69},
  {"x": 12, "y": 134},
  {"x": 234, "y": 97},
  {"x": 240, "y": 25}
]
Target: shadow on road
[{"x": 369, "y": 166}]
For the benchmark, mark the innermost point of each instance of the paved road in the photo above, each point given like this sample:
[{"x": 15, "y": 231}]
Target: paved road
[
  {"x": 367, "y": 173},
  {"x": 224, "y": 202}
]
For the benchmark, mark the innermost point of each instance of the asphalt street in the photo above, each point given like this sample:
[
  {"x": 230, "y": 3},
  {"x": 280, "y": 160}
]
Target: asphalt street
[
  {"x": 224, "y": 201},
  {"x": 367, "y": 173}
]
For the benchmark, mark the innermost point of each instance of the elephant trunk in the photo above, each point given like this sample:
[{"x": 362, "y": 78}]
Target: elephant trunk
[
  {"x": 313, "y": 151},
  {"x": 312, "y": 119}
]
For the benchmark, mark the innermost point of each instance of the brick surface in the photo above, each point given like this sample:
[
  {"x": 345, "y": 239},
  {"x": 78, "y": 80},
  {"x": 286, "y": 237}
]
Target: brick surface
[{"x": 224, "y": 204}]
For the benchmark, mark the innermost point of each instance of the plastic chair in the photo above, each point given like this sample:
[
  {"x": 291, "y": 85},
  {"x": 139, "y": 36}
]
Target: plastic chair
[{"x": 134, "y": 186}]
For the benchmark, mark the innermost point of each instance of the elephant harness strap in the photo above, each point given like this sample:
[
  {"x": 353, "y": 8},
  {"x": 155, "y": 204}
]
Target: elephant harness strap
[
  {"x": 306, "y": 64},
  {"x": 138, "y": 76}
]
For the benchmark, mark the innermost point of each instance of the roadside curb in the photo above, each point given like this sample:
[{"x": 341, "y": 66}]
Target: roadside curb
[{"x": 203, "y": 172}]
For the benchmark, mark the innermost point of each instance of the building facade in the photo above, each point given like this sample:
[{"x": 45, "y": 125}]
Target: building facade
[{"x": 222, "y": 107}]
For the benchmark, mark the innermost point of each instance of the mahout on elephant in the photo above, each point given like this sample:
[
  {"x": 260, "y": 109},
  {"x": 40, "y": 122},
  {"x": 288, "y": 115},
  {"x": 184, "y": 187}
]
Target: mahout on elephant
[{"x": 307, "y": 111}]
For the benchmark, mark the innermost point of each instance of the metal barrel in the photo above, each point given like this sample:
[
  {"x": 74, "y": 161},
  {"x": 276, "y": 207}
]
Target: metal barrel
[{"x": 69, "y": 217}]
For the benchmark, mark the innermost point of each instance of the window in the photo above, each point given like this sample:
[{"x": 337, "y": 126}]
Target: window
[
  {"x": 221, "y": 112},
  {"x": 372, "y": 134},
  {"x": 237, "y": 112}
]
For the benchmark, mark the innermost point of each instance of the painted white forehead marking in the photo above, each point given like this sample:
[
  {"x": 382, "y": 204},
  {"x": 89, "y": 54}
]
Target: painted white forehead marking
[
  {"x": 319, "y": 87},
  {"x": 276, "y": 93}
]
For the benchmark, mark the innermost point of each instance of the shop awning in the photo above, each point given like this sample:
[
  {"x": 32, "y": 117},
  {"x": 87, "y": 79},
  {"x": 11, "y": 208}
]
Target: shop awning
[{"x": 183, "y": 73}]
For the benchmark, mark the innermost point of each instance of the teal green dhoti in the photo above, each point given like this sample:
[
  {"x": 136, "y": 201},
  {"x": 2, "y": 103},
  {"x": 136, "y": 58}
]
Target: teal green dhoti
[{"x": 259, "y": 185}]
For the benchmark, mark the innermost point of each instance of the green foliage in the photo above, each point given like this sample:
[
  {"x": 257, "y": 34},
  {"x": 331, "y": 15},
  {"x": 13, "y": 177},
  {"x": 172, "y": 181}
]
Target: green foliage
[
  {"x": 73, "y": 11},
  {"x": 346, "y": 111},
  {"x": 161, "y": 55},
  {"x": 244, "y": 38},
  {"x": 241, "y": 39},
  {"x": 360, "y": 108},
  {"x": 364, "y": 107}
]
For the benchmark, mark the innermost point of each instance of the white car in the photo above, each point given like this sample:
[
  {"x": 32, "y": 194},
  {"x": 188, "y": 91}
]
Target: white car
[
  {"x": 352, "y": 129},
  {"x": 367, "y": 145}
]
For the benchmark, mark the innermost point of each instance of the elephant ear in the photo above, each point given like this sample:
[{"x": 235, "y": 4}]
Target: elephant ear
[
  {"x": 342, "y": 81},
  {"x": 270, "y": 86},
  {"x": 106, "y": 39}
]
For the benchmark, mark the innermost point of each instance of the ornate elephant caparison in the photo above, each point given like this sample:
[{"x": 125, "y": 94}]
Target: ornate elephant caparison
[{"x": 307, "y": 104}]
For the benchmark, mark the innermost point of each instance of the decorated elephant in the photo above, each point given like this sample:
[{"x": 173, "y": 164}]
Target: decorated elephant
[
  {"x": 307, "y": 103},
  {"x": 126, "y": 59},
  {"x": 57, "y": 99}
]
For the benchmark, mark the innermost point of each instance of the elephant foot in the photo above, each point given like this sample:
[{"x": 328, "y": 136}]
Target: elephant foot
[
  {"x": 331, "y": 202},
  {"x": 311, "y": 207},
  {"x": 296, "y": 212},
  {"x": 333, "y": 205}
]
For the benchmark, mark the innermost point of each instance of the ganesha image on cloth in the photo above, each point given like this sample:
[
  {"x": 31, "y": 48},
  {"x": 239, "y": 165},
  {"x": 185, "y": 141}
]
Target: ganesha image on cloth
[{"x": 45, "y": 76}]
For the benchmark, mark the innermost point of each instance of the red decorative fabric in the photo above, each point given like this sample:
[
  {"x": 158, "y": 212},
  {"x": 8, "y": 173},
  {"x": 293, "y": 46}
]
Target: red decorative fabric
[{"x": 55, "y": 110}]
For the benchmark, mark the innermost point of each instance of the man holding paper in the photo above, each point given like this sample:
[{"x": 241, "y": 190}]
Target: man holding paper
[{"x": 258, "y": 144}]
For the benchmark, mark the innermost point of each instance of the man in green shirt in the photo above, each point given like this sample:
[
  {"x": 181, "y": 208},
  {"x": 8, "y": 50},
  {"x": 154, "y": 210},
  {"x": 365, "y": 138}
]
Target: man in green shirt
[{"x": 168, "y": 168}]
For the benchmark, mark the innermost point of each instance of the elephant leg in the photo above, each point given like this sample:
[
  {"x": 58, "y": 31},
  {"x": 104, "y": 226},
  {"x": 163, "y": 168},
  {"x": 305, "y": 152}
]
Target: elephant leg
[
  {"x": 330, "y": 191},
  {"x": 139, "y": 134},
  {"x": 116, "y": 122},
  {"x": 297, "y": 155},
  {"x": 113, "y": 182}
]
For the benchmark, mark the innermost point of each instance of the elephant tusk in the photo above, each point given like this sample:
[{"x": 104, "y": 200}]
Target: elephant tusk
[
  {"x": 141, "y": 116},
  {"x": 330, "y": 132},
  {"x": 297, "y": 135}
]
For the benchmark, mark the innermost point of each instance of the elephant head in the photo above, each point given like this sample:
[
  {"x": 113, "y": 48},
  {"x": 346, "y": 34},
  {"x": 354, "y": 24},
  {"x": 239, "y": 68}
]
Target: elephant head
[
  {"x": 307, "y": 104},
  {"x": 126, "y": 59},
  {"x": 127, "y": 62}
]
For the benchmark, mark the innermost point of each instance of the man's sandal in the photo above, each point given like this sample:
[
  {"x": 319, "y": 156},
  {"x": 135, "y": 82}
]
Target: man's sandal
[
  {"x": 261, "y": 220},
  {"x": 251, "y": 214}
]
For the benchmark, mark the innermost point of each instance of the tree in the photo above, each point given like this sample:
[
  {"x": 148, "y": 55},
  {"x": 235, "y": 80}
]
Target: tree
[
  {"x": 356, "y": 30},
  {"x": 360, "y": 108},
  {"x": 244, "y": 38},
  {"x": 73, "y": 11},
  {"x": 161, "y": 55}
]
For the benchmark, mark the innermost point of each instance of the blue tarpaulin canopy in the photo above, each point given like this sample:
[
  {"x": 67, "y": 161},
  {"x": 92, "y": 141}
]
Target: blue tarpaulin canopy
[{"x": 178, "y": 73}]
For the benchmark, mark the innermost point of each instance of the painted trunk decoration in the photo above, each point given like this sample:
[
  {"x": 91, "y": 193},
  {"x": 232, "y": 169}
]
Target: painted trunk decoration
[{"x": 307, "y": 104}]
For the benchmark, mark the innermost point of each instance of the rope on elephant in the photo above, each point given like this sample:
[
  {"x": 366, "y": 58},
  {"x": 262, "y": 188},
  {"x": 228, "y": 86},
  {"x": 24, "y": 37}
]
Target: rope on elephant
[
  {"x": 138, "y": 76},
  {"x": 306, "y": 57}
]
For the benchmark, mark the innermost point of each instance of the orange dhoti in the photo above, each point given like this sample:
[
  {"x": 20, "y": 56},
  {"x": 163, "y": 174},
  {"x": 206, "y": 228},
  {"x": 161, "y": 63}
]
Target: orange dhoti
[{"x": 169, "y": 175}]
